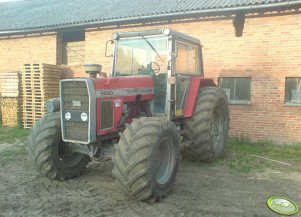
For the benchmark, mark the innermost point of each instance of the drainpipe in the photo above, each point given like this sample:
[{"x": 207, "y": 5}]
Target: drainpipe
[{"x": 239, "y": 23}]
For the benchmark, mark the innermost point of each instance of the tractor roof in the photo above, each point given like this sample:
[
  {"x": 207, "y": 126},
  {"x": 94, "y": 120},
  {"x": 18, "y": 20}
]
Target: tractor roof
[{"x": 166, "y": 32}]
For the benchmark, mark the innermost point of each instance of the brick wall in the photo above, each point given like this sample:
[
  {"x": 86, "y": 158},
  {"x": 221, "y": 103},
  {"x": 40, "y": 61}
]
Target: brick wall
[
  {"x": 269, "y": 51},
  {"x": 14, "y": 52}
]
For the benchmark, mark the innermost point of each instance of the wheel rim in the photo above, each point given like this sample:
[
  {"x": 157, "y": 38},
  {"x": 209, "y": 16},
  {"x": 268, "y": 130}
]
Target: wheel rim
[
  {"x": 64, "y": 156},
  {"x": 164, "y": 161},
  {"x": 217, "y": 132}
]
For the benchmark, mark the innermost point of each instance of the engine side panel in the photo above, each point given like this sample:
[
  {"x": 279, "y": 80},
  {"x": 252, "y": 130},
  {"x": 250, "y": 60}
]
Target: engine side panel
[
  {"x": 108, "y": 114},
  {"x": 114, "y": 94}
]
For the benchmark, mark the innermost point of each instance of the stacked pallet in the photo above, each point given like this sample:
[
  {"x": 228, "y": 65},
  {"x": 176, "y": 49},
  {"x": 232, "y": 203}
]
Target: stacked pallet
[
  {"x": 10, "y": 84},
  {"x": 10, "y": 102},
  {"x": 40, "y": 82}
]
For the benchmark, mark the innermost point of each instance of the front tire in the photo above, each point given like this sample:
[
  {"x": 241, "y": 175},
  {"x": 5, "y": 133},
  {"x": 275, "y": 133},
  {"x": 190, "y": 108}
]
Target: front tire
[
  {"x": 147, "y": 158},
  {"x": 49, "y": 154},
  {"x": 207, "y": 129}
]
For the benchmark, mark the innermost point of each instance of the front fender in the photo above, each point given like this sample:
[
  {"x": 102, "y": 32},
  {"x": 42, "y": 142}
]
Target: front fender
[
  {"x": 53, "y": 105},
  {"x": 195, "y": 84}
]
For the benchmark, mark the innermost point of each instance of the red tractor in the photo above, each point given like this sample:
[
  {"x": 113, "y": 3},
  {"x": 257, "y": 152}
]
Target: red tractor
[{"x": 156, "y": 104}]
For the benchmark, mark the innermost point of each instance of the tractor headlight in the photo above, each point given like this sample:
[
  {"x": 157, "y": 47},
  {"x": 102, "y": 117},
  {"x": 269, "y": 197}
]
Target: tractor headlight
[
  {"x": 67, "y": 116},
  {"x": 84, "y": 116}
]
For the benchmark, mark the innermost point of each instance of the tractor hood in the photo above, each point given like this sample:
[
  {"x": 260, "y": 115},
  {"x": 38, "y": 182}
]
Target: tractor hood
[{"x": 124, "y": 86}]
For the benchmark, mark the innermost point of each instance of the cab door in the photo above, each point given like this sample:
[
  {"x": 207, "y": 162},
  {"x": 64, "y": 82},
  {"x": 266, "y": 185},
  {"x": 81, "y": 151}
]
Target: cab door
[{"x": 187, "y": 65}]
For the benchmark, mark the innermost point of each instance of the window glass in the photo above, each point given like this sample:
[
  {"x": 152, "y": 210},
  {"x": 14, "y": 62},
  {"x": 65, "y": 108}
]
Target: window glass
[
  {"x": 293, "y": 90},
  {"x": 238, "y": 90},
  {"x": 182, "y": 87},
  {"x": 187, "y": 60},
  {"x": 141, "y": 56}
]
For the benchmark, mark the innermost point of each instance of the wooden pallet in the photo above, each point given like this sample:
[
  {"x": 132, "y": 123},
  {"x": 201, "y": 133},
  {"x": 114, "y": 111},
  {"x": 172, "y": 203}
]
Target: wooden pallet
[
  {"x": 40, "y": 82},
  {"x": 32, "y": 92},
  {"x": 10, "y": 84},
  {"x": 33, "y": 117},
  {"x": 40, "y": 95},
  {"x": 29, "y": 124},
  {"x": 32, "y": 86}
]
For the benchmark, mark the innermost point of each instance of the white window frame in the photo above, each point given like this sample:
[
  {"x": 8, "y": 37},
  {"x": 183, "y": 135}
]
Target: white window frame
[
  {"x": 228, "y": 90},
  {"x": 298, "y": 92}
]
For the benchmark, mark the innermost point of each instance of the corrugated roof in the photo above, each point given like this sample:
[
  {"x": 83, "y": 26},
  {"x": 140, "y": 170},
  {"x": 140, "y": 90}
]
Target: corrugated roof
[{"x": 47, "y": 14}]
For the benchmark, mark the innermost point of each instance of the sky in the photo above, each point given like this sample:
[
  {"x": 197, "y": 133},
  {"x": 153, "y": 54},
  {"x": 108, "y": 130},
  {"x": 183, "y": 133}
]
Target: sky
[{"x": 8, "y": 0}]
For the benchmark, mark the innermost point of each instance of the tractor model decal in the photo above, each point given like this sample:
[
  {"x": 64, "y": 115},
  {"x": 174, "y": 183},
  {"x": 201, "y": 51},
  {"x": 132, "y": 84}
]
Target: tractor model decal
[{"x": 123, "y": 92}]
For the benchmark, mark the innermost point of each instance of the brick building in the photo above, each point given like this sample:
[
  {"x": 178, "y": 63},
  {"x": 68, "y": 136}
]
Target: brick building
[{"x": 251, "y": 48}]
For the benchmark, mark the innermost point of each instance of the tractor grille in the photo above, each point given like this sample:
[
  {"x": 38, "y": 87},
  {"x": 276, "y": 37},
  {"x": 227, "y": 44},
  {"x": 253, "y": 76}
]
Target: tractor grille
[
  {"x": 75, "y": 99},
  {"x": 106, "y": 115}
]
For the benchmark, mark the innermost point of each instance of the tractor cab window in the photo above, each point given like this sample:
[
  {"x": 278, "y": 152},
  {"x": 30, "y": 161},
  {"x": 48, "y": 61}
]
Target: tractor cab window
[
  {"x": 187, "y": 64},
  {"x": 145, "y": 56},
  {"x": 187, "y": 61},
  {"x": 141, "y": 56}
]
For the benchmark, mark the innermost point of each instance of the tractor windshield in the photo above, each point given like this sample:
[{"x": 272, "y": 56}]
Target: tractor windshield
[{"x": 143, "y": 55}]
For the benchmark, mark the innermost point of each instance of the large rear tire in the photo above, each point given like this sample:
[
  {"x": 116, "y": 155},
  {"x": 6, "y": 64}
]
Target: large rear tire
[
  {"x": 207, "y": 129},
  {"x": 147, "y": 158},
  {"x": 49, "y": 154}
]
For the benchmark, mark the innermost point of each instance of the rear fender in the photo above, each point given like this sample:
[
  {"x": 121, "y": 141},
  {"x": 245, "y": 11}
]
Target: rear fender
[{"x": 195, "y": 84}]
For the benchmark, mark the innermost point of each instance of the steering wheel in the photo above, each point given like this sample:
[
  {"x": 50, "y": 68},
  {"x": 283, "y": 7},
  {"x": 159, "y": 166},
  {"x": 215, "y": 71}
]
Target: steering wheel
[{"x": 157, "y": 68}]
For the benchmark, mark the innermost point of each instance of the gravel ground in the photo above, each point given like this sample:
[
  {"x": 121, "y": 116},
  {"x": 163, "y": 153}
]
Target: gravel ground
[{"x": 200, "y": 190}]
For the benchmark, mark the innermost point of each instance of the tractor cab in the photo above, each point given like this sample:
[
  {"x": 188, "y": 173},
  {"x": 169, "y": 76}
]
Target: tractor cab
[{"x": 169, "y": 57}]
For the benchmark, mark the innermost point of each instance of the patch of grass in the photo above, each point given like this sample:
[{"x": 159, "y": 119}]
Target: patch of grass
[
  {"x": 239, "y": 155},
  {"x": 266, "y": 149},
  {"x": 241, "y": 165},
  {"x": 10, "y": 152},
  {"x": 13, "y": 142},
  {"x": 12, "y": 134},
  {"x": 246, "y": 163}
]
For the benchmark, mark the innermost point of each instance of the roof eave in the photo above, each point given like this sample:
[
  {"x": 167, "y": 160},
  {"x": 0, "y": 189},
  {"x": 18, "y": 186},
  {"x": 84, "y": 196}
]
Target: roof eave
[{"x": 251, "y": 8}]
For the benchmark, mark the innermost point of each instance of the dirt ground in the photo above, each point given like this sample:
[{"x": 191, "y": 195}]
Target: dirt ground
[{"x": 200, "y": 190}]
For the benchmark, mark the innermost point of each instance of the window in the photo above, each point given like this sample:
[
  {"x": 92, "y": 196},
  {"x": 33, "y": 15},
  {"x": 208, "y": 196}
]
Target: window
[
  {"x": 187, "y": 60},
  {"x": 238, "y": 90},
  {"x": 141, "y": 56},
  {"x": 293, "y": 90},
  {"x": 73, "y": 48}
]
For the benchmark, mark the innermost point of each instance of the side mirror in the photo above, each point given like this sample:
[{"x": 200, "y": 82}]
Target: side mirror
[{"x": 109, "y": 41}]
